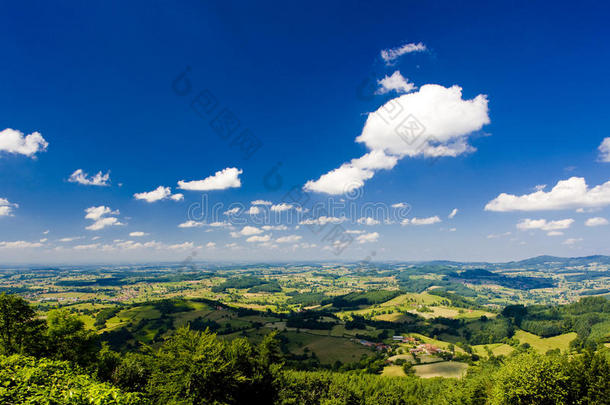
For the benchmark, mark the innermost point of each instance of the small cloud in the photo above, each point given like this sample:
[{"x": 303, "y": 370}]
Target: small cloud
[
  {"x": 6, "y": 208},
  {"x": 604, "y": 150},
  {"x": 390, "y": 55},
  {"x": 572, "y": 241},
  {"x": 261, "y": 202},
  {"x": 528, "y": 224},
  {"x": 259, "y": 239},
  {"x": 289, "y": 239},
  {"x": 137, "y": 234},
  {"x": 69, "y": 239},
  {"x": 14, "y": 141},
  {"x": 191, "y": 224},
  {"x": 19, "y": 244},
  {"x": 453, "y": 213},
  {"x": 211, "y": 245},
  {"x": 221, "y": 180},
  {"x": 368, "y": 237},
  {"x": 555, "y": 233},
  {"x": 274, "y": 227},
  {"x": 421, "y": 221},
  {"x": 396, "y": 83},
  {"x": 323, "y": 220},
  {"x": 400, "y": 205},
  {"x": 254, "y": 210},
  {"x": 101, "y": 217},
  {"x": 281, "y": 207},
  {"x": 368, "y": 221},
  {"x": 80, "y": 177},
  {"x": 596, "y": 221},
  {"x": 158, "y": 194}
]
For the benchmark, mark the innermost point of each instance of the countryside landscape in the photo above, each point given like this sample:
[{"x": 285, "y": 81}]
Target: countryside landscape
[{"x": 304, "y": 203}]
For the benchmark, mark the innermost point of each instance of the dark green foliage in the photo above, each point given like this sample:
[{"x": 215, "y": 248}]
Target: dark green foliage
[
  {"x": 270, "y": 287},
  {"x": 239, "y": 283},
  {"x": 27, "y": 380},
  {"x": 67, "y": 339},
  {"x": 197, "y": 368},
  {"x": 363, "y": 298},
  {"x": 20, "y": 330}
]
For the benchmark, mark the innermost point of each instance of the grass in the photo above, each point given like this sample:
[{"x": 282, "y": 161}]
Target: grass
[
  {"x": 498, "y": 349},
  {"x": 393, "y": 371},
  {"x": 542, "y": 345},
  {"x": 447, "y": 369},
  {"x": 329, "y": 349}
]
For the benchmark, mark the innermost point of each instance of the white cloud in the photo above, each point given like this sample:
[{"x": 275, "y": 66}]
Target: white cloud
[
  {"x": 258, "y": 238},
  {"x": 421, "y": 221},
  {"x": 596, "y": 221},
  {"x": 354, "y": 231},
  {"x": 281, "y": 207},
  {"x": 389, "y": 55},
  {"x": 191, "y": 224},
  {"x": 399, "y": 205},
  {"x": 158, "y": 194},
  {"x": 322, "y": 220},
  {"x": 137, "y": 234},
  {"x": 289, "y": 239},
  {"x": 368, "y": 221},
  {"x": 572, "y": 241},
  {"x": 14, "y": 141},
  {"x": 19, "y": 244},
  {"x": 95, "y": 213},
  {"x": 80, "y": 177},
  {"x": 261, "y": 202},
  {"x": 219, "y": 224},
  {"x": 101, "y": 217},
  {"x": 69, "y": 239},
  {"x": 567, "y": 194},
  {"x": 221, "y": 180},
  {"x": 554, "y": 233},
  {"x": 604, "y": 150},
  {"x": 211, "y": 245},
  {"x": 432, "y": 122},
  {"x": 248, "y": 231},
  {"x": 6, "y": 208},
  {"x": 275, "y": 227},
  {"x": 453, "y": 213},
  {"x": 351, "y": 176},
  {"x": 545, "y": 225},
  {"x": 232, "y": 211},
  {"x": 368, "y": 237},
  {"x": 396, "y": 83},
  {"x": 103, "y": 223}
]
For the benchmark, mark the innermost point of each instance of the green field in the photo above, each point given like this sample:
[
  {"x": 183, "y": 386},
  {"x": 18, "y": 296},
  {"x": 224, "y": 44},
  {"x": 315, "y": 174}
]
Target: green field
[
  {"x": 542, "y": 345},
  {"x": 498, "y": 349}
]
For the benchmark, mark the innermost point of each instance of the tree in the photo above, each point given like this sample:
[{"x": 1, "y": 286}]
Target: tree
[
  {"x": 20, "y": 330},
  {"x": 194, "y": 367},
  {"x": 67, "y": 338}
]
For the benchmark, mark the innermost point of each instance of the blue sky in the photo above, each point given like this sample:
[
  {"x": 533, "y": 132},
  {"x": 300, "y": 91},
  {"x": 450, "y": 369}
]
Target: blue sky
[{"x": 101, "y": 85}]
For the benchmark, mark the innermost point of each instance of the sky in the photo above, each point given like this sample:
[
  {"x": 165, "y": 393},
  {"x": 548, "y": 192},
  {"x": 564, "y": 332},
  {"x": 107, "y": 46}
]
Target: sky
[{"x": 233, "y": 131}]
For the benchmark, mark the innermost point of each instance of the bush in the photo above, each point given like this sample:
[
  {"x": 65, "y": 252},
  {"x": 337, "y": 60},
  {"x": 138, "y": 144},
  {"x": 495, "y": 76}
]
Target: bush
[{"x": 26, "y": 380}]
